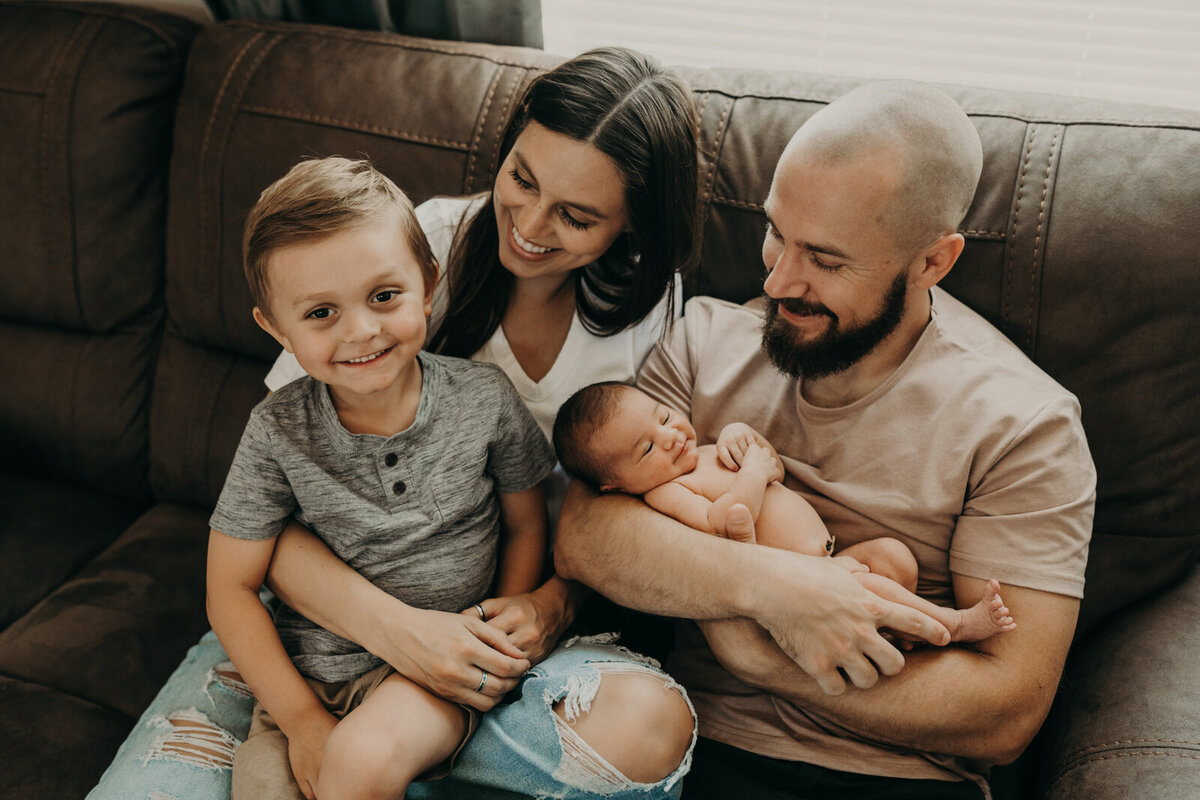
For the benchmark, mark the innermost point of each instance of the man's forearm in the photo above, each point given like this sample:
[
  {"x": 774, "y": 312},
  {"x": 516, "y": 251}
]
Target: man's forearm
[
  {"x": 985, "y": 704},
  {"x": 645, "y": 560},
  {"x": 813, "y": 607}
]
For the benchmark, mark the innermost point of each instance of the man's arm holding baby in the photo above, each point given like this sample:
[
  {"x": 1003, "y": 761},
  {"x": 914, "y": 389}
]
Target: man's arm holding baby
[
  {"x": 814, "y": 608},
  {"x": 985, "y": 701},
  {"x": 1028, "y": 518}
]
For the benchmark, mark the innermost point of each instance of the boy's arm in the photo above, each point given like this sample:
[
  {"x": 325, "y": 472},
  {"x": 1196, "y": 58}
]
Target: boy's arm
[
  {"x": 236, "y": 569},
  {"x": 523, "y": 534},
  {"x": 681, "y": 503}
]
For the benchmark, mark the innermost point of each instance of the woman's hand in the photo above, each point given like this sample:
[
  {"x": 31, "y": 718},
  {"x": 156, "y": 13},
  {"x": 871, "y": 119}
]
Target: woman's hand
[
  {"x": 534, "y": 621},
  {"x": 448, "y": 654}
]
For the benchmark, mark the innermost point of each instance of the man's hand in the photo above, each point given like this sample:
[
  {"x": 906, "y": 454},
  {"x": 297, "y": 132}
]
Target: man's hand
[
  {"x": 832, "y": 628},
  {"x": 832, "y": 633},
  {"x": 447, "y": 654},
  {"x": 306, "y": 749}
]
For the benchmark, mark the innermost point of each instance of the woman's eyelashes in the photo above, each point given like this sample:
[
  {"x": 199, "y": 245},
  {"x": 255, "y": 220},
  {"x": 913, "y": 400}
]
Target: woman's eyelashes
[
  {"x": 574, "y": 223},
  {"x": 563, "y": 214}
]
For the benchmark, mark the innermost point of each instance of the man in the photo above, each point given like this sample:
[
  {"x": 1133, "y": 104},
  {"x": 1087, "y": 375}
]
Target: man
[{"x": 898, "y": 412}]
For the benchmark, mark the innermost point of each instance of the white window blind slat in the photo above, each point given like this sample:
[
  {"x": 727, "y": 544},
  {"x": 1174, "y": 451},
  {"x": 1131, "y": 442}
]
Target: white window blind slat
[{"x": 1132, "y": 51}]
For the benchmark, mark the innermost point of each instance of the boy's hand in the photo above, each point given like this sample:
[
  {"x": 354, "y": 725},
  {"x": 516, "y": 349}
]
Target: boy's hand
[{"x": 306, "y": 749}]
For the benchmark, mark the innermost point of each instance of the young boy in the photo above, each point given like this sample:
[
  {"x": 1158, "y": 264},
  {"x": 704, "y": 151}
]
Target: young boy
[
  {"x": 410, "y": 466},
  {"x": 616, "y": 438}
]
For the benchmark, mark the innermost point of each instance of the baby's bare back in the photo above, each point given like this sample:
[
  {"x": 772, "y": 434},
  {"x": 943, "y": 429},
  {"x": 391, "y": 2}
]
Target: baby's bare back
[{"x": 786, "y": 520}]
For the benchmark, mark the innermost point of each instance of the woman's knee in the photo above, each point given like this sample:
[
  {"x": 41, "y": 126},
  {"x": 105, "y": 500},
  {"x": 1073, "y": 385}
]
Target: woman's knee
[{"x": 639, "y": 722}]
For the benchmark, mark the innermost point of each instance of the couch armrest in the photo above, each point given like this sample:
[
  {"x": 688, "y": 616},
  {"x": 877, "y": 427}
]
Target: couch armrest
[{"x": 1127, "y": 719}]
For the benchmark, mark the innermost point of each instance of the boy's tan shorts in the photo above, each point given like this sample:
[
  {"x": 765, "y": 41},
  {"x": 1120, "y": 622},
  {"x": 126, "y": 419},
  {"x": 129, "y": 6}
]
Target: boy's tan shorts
[{"x": 261, "y": 768}]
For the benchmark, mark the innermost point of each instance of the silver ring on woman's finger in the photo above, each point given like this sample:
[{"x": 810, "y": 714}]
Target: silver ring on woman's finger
[
  {"x": 482, "y": 682},
  {"x": 482, "y": 615}
]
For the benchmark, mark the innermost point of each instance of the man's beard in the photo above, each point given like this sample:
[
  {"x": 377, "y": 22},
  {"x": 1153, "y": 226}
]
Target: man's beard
[{"x": 835, "y": 350}]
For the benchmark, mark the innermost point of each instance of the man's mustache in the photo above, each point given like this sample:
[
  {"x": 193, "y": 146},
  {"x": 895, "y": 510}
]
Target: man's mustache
[{"x": 795, "y": 305}]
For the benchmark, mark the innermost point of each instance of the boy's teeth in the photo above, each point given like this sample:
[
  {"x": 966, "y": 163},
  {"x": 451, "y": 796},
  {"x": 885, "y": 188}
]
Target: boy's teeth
[
  {"x": 526, "y": 246},
  {"x": 363, "y": 358}
]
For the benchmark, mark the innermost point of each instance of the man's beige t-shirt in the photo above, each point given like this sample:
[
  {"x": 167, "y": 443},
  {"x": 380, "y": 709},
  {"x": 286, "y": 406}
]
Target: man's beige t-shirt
[{"x": 968, "y": 453}]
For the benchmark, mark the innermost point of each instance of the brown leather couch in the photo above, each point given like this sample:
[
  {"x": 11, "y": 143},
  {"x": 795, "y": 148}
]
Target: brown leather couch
[{"x": 132, "y": 145}]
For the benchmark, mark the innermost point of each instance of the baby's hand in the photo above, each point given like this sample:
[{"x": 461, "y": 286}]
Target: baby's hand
[
  {"x": 763, "y": 460},
  {"x": 735, "y": 440}
]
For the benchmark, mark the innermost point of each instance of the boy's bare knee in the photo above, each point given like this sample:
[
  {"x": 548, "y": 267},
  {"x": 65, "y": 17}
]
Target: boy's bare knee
[
  {"x": 639, "y": 722},
  {"x": 351, "y": 762}
]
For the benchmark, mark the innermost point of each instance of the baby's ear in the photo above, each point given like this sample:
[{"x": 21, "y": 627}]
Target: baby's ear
[{"x": 608, "y": 488}]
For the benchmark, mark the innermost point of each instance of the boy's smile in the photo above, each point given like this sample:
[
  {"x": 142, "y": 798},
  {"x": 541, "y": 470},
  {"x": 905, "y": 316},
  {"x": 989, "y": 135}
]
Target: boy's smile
[{"x": 352, "y": 308}]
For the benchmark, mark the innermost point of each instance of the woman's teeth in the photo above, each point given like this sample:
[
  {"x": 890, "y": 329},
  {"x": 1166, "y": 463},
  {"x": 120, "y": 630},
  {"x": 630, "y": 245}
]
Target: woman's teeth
[{"x": 527, "y": 246}]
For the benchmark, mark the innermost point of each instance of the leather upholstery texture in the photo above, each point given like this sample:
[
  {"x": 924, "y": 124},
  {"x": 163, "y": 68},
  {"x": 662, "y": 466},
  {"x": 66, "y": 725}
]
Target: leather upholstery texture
[{"x": 132, "y": 144}]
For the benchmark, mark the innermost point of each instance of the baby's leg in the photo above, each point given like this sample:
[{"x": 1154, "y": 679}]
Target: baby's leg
[
  {"x": 788, "y": 522},
  {"x": 397, "y": 733},
  {"x": 888, "y": 557},
  {"x": 981, "y": 621}
]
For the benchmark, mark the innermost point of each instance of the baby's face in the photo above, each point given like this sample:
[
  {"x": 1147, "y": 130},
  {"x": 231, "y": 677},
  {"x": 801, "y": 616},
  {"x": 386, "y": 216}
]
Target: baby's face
[{"x": 645, "y": 444}]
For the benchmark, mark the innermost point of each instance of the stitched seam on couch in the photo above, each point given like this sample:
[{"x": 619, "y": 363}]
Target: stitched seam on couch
[
  {"x": 349, "y": 124},
  {"x": 1036, "y": 267},
  {"x": 718, "y": 144},
  {"x": 382, "y": 38},
  {"x": 748, "y": 206},
  {"x": 115, "y": 13},
  {"x": 1062, "y": 773},
  {"x": 473, "y": 153},
  {"x": 1123, "y": 742},
  {"x": 503, "y": 126},
  {"x": 1029, "y": 119}
]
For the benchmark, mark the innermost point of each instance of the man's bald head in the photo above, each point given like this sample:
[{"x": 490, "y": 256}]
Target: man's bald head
[{"x": 916, "y": 128}]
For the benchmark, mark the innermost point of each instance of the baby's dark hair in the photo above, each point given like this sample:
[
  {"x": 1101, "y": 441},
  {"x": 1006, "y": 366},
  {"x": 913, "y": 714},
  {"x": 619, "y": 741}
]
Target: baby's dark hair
[{"x": 579, "y": 419}]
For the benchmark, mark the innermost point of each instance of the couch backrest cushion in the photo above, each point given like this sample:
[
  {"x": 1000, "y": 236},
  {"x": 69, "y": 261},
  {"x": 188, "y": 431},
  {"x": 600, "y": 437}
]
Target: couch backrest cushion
[
  {"x": 87, "y": 98},
  {"x": 259, "y": 97},
  {"x": 1082, "y": 241},
  {"x": 1083, "y": 246}
]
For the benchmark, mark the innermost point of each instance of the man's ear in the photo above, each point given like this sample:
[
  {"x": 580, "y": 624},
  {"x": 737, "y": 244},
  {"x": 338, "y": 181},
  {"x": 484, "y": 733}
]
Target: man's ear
[
  {"x": 936, "y": 260},
  {"x": 264, "y": 322}
]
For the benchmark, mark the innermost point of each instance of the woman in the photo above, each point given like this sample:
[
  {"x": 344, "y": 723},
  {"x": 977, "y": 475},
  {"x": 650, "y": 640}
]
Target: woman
[{"x": 563, "y": 275}]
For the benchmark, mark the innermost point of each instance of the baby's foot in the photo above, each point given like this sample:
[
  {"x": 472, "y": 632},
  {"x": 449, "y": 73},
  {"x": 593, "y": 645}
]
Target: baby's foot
[{"x": 984, "y": 619}]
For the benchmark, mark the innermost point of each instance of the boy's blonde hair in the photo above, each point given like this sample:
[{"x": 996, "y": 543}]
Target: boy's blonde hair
[{"x": 318, "y": 198}]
